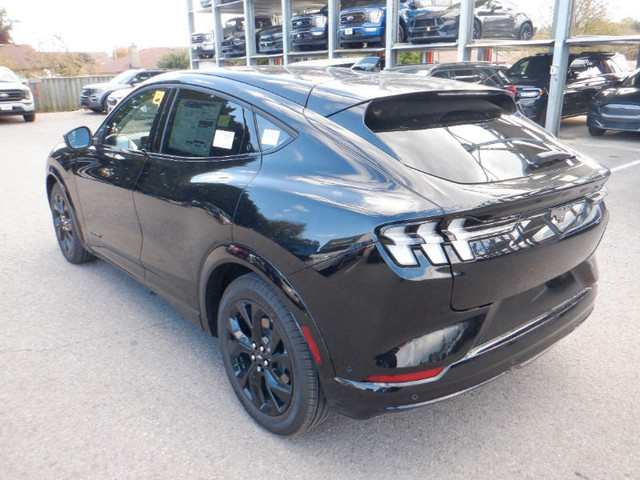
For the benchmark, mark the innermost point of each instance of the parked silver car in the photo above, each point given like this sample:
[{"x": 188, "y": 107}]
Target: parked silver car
[{"x": 15, "y": 96}]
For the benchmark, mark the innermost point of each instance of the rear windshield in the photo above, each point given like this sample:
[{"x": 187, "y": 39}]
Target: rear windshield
[{"x": 476, "y": 143}]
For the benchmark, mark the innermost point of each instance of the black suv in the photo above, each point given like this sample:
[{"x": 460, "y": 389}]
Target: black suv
[
  {"x": 588, "y": 73},
  {"x": 235, "y": 45}
]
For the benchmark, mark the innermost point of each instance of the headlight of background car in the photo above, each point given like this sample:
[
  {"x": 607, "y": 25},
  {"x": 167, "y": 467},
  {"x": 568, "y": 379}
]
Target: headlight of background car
[
  {"x": 27, "y": 95},
  {"x": 375, "y": 16},
  {"x": 238, "y": 41},
  {"x": 319, "y": 21}
]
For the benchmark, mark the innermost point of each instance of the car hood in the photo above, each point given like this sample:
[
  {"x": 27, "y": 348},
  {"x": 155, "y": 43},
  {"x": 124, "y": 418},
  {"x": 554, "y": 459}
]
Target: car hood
[
  {"x": 363, "y": 8},
  {"x": 448, "y": 14},
  {"x": 625, "y": 95},
  {"x": 274, "y": 31},
  {"x": 13, "y": 86}
]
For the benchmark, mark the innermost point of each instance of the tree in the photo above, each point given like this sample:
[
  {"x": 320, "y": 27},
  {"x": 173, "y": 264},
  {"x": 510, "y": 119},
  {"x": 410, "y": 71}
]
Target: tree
[
  {"x": 177, "y": 58},
  {"x": 5, "y": 27}
]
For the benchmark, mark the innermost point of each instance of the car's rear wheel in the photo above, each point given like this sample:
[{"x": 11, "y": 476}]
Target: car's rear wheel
[
  {"x": 526, "y": 32},
  {"x": 267, "y": 359},
  {"x": 66, "y": 228},
  {"x": 31, "y": 117},
  {"x": 477, "y": 29},
  {"x": 596, "y": 132}
]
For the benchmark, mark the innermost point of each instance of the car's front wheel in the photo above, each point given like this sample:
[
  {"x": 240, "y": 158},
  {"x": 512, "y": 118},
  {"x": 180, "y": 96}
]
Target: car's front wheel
[
  {"x": 30, "y": 117},
  {"x": 267, "y": 358},
  {"x": 526, "y": 32},
  {"x": 596, "y": 132},
  {"x": 66, "y": 228}
]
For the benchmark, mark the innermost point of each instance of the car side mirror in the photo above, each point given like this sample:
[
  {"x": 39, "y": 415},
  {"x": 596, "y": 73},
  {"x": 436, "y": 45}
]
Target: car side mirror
[{"x": 78, "y": 138}]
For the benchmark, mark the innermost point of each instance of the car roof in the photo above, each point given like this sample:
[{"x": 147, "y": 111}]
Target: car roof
[
  {"x": 431, "y": 66},
  {"x": 318, "y": 89}
]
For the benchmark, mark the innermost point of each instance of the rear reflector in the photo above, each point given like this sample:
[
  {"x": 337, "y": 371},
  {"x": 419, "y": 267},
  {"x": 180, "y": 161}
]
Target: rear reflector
[{"x": 407, "y": 377}]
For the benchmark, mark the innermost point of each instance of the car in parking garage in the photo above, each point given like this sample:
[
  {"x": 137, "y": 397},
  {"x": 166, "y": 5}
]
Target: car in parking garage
[
  {"x": 235, "y": 45},
  {"x": 616, "y": 108},
  {"x": 492, "y": 19},
  {"x": 588, "y": 73},
  {"x": 270, "y": 40},
  {"x": 484, "y": 73},
  {"x": 309, "y": 30},
  {"x": 296, "y": 216}
]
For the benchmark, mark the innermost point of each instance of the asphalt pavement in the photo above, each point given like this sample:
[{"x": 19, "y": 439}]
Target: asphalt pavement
[{"x": 100, "y": 379}]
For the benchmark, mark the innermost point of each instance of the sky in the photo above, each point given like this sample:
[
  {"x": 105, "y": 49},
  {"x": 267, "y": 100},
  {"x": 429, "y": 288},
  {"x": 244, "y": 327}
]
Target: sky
[{"x": 100, "y": 26}]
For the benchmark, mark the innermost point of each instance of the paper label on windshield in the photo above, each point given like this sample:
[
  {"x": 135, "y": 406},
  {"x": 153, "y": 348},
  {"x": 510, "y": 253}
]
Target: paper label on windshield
[
  {"x": 224, "y": 139},
  {"x": 157, "y": 97},
  {"x": 270, "y": 137}
]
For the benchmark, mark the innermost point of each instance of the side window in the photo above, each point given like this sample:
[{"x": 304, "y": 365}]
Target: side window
[
  {"x": 441, "y": 74},
  {"x": 130, "y": 127},
  {"x": 271, "y": 136},
  {"x": 203, "y": 125}
]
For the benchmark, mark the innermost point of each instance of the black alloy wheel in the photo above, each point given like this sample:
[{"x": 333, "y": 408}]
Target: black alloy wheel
[
  {"x": 66, "y": 229},
  {"x": 526, "y": 32},
  {"x": 267, "y": 359},
  {"x": 477, "y": 29}
]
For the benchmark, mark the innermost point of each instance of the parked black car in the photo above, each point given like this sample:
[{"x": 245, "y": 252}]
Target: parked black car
[
  {"x": 484, "y": 73},
  {"x": 616, "y": 108},
  {"x": 588, "y": 73},
  {"x": 270, "y": 40},
  {"x": 94, "y": 96},
  {"x": 298, "y": 217},
  {"x": 235, "y": 46},
  {"x": 492, "y": 19},
  {"x": 309, "y": 30},
  {"x": 15, "y": 97}
]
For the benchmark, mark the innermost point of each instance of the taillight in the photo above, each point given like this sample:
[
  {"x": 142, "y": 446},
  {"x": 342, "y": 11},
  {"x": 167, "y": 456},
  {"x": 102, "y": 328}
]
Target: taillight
[
  {"x": 512, "y": 89},
  {"x": 401, "y": 241}
]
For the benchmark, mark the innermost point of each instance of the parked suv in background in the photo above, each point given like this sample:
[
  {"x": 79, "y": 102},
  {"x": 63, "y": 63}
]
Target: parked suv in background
[
  {"x": 492, "y": 19},
  {"x": 588, "y": 73},
  {"x": 94, "y": 96},
  {"x": 309, "y": 30},
  {"x": 366, "y": 24},
  {"x": 202, "y": 45},
  {"x": 15, "y": 96}
]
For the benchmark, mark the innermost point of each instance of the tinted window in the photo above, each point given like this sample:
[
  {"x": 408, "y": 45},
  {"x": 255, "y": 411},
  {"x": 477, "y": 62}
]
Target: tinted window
[
  {"x": 531, "y": 66},
  {"x": 204, "y": 125},
  {"x": 130, "y": 127},
  {"x": 441, "y": 74},
  {"x": 466, "y": 75},
  {"x": 270, "y": 134}
]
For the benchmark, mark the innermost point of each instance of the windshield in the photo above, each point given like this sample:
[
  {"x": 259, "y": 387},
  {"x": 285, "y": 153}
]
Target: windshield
[
  {"x": 530, "y": 66},
  {"x": 7, "y": 76},
  {"x": 125, "y": 77}
]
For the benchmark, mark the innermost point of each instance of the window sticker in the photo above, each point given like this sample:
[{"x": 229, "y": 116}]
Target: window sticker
[
  {"x": 224, "y": 121},
  {"x": 270, "y": 137},
  {"x": 193, "y": 126},
  {"x": 157, "y": 98},
  {"x": 224, "y": 139}
]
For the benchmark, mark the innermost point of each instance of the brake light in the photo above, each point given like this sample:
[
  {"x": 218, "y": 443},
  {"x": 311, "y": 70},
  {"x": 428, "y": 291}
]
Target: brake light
[
  {"x": 512, "y": 89},
  {"x": 401, "y": 241}
]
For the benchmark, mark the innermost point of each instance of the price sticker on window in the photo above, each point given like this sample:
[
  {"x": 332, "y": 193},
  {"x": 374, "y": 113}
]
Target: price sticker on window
[
  {"x": 224, "y": 139},
  {"x": 270, "y": 137},
  {"x": 157, "y": 97}
]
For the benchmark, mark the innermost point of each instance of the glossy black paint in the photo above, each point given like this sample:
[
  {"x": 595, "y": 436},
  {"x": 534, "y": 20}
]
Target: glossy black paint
[
  {"x": 616, "y": 108},
  {"x": 588, "y": 73},
  {"x": 311, "y": 216},
  {"x": 492, "y": 19}
]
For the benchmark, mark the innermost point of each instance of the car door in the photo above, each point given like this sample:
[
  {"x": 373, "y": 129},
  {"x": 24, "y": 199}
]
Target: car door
[
  {"x": 187, "y": 194},
  {"x": 106, "y": 176},
  {"x": 584, "y": 80},
  {"x": 499, "y": 21}
]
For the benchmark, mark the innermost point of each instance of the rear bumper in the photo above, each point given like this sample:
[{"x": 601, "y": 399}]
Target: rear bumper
[{"x": 480, "y": 365}]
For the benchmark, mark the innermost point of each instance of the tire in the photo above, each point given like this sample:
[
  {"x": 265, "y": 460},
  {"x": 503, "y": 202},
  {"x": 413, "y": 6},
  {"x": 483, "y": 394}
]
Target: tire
[
  {"x": 526, "y": 32},
  {"x": 66, "y": 228},
  {"x": 596, "y": 132},
  {"x": 267, "y": 359},
  {"x": 477, "y": 29},
  {"x": 31, "y": 117}
]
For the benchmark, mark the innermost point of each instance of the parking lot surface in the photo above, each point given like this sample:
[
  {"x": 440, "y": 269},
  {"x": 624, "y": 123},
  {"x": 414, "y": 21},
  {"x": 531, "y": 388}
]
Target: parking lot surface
[{"x": 100, "y": 379}]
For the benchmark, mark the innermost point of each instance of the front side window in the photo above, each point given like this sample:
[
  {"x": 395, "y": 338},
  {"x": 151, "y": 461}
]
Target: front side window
[
  {"x": 204, "y": 125},
  {"x": 130, "y": 127}
]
